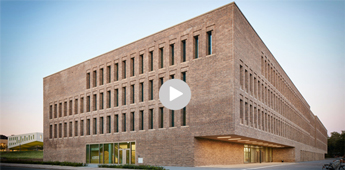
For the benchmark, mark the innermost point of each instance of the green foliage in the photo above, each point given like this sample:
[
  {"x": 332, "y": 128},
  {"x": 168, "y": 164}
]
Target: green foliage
[
  {"x": 133, "y": 167},
  {"x": 41, "y": 162},
  {"x": 336, "y": 144},
  {"x": 22, "y": 155}
]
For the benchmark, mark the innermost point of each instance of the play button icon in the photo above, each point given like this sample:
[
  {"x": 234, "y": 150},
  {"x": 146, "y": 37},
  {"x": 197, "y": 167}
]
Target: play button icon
[{"x": 174, "y": 94}]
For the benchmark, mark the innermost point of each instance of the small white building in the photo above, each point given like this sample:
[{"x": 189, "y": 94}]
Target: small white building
[{"x": 25, "y": 141}]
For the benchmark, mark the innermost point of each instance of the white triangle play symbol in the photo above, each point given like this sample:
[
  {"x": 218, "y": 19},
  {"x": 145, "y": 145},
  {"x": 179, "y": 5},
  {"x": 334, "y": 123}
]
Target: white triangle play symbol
[{"x": 174, "y": 93}]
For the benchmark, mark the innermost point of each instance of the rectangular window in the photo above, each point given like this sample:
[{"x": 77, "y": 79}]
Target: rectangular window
[
  {"x": 183, "y": 76},
  {"x": 246, "y": 80},
  {"x": 172, "y": 118},
  {"x": 151, "y": 90},
  {"x": 94, "y": 102},
  {"x": 101, "y": 125},
  {"x": 101, "y": 102},
  {"x": 209, "y": 43},
  {"x": 101, "y": 77},
  {"x": 109, "y": 99},
  {"x": 183, "y": 51},
  {"x": 55, "y": 131},
  {"x": 172, "y": 76},
  {"x": 108, "y": 124},
  {"x": 196, "y": 46},
  {"x": 161, "y": 118},
  {"x": 76, "y": 128},
  {"x": 132, "y": 67},
  {"x": 60, "y": 109},
  {"x": 94, "y": 126},
  {"x": 65, "y": 129},
  {"x": 109, "y": 74},
  {"x": 60, "y": 130},
  {"x": 70, "y": 107},
  {"x": 124, "y": 122},
  {"x": 161, "y": 81},
  {"x": 124, "y": 69},
  {"x": 141, "y": 120},
  {"x": 88, "y": 80},
  {"x": 241, "y": 111},
  {"x": 70, "y": 129},
  {"x": 124, "y": 96},
  {"x": 55, "y": 110},
  {"x": 132, "y": 121},
  {"x": 184, "y": 117},
  {"x": 172, "y": 54},
  {"x": 76, "y": 106},
  {"x": 50, "y": 131},
  {"x": 88, "y": 127},
  {"x": 161, "y": 58},
  {"x": 141, "y": 64},
  {"x": 50, "y": 111},
  {"x": 241, "y": 76},
  {"x": 141, "y": 92},
  {"x": 133, "y": 94},
  {"x": 151, "y": 60},
  {"x": 116, "y": 123},
  {"x": 82, "y": 128},
  {"x": 88, "y": 105},
  {"x": 94, "y": 78},
  {"x": 116, "y": 97},
  {"x": 116, "y": 72},
  {"x": 82, "y": 105},
  {"x": 151, "y": 119}
]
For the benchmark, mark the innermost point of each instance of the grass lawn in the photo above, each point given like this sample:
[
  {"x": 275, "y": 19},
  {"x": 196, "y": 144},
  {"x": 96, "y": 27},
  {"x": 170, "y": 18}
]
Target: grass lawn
[{"x": 22, "y": 155}]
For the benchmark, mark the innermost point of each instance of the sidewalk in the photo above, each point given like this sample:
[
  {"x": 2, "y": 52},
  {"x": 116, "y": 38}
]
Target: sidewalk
[{"x": 53, "y": 166}]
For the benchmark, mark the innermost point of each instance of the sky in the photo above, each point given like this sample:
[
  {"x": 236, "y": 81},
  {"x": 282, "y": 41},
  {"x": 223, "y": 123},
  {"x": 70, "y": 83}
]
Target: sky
[{"x": 39, "y": 38}]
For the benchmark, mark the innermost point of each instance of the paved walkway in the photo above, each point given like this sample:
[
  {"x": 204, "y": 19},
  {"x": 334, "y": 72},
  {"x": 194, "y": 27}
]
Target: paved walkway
[{"x": 52, "y": 166}]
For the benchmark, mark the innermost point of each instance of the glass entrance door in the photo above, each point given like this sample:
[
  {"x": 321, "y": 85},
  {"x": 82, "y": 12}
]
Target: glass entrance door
[{"x": 123, "y": 156}]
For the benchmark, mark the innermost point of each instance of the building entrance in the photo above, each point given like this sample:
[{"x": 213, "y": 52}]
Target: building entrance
[
  {"x": 124, "y": 156},
  {"x": 257, "y": 154}
]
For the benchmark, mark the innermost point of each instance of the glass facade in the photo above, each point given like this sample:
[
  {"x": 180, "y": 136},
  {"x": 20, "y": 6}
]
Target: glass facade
[
  {"x": 111, "y": 153},
  {"x": 257, "y": 154}
]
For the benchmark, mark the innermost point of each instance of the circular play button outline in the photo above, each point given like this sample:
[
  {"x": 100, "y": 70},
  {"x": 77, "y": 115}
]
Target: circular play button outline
[{"x": 174, "y": 94}]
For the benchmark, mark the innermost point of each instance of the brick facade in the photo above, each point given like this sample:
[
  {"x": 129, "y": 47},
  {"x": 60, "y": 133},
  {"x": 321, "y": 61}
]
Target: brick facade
[{"x": 239, "y": 90}]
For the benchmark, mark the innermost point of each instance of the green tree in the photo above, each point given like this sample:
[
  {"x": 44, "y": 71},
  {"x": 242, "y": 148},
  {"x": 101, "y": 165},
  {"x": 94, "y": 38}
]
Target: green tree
[{"x": 336, "y": 144}]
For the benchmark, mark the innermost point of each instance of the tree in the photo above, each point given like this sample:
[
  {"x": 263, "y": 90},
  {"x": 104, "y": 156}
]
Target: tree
[{"x": 336, "y": 144}]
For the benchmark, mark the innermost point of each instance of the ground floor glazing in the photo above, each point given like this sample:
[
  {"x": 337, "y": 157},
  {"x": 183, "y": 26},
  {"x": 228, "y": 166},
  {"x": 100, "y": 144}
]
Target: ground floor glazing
[{"x": 111, "y": 153}]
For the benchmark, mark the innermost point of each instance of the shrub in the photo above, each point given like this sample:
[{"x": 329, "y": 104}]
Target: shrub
[
  {"x": 42, "y": 162},
  {"x": 133, "y": 167}
]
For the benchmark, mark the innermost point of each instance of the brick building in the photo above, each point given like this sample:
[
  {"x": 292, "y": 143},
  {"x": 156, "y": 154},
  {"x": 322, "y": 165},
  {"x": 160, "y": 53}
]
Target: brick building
[{"x": 244, "y": 108}]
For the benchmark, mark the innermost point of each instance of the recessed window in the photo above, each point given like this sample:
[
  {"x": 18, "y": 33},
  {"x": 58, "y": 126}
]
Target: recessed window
[
  {"x": 65, "y": 129},
  {"x": 82, "y": 105},
  {"x": 76, "y": 128},
  {"x": 94, "y": 78},
  {"x": 161, "y": 81},
  {"x": 196, "y": 46},
  {"x": 116, "y": 72},
  {"x": 172, "y": 54},
  {"x": 124, "y": 69},
  {"x": 160, "y": 117},
  {"x": 76, "y": 106},
  {"x": 88, "y": 127},
  {"x": 124, "y": 122},
  {"x": 108, "y": 124},
  {"x": 184, "y": 117},
  {"x": 94, "y": 102},
  {"x": 172, "y": 76},
  {"x": 101, "y": 102},
  {"x": 55, "y": 110},
  {"x": 132, "y": 121},
  {"x": 94, "y": 126},
  {"x": 172, "y": 118},
  {"x": 183, "y": 51},
  {"x": 183, "y": 76},
  {"x": 70, "y": 107},
  {"x": 151, "y": 61},
  {"x": 124, "y": 96},
  {"x": 116, "y": 97},
  {"x": 50, "y": 111},
  {"x": 161, "y": 57},
  {"x": 60, "y": 109},
  {"x": 141, "y": 64},
  {"x": 151, "y": 119},
  {"x": 116, "y": 123},
  {"x": 109, "y": 74},
  {"x": 141, "y": 120},
  {"x": 70, "y": 129},
  {"x": 101, "y": 125},
  {"x": 133, "y": 94},
  {"x": 209, "y": 43},
  {"x": 132, "y": 66},
  {"x": 60, "y": 131},
  {"x": 50, "y": 131},
  {"x": 88, "y": 104},
  {"x": 101, "y": 76},
  {"x": 88, "y": 80},
  {"x": 109, "y": 99},
  {"x": 151, "y": 90},
  {"x": 82, "y": 128},
  {"x": 141, "y": 92}
]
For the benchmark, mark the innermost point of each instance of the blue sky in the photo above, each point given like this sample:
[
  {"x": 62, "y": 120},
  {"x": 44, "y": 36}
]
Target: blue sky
[{"x": 39, "y": 38}]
